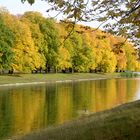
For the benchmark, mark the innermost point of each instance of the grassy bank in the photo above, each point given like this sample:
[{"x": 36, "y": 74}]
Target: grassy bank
[
  {"x": 120, "y": 123},
  {"x": 130, "y": 74},
  {"x": 28, "y": 78}
]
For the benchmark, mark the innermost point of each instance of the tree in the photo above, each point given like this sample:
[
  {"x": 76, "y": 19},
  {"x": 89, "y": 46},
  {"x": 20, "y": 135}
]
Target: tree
[
  {"x": 108, "y": 62},
  {"x": 121, "y": 57},
  {"x": 35, "y": 20},
  {"x": 88, "y": 51},
  {"x": 82, "y": 56},
  {"x": 64, "y": 51},
  {"x": 6, "y": 44},
  {"x": 45, "y": 36},
  {"x": 25, "y": 54},
  {"x": 76, "y": 54},
  {"x": 32, "y": 42},
  {"x": 63, "y": 59},
  {"x": 121, "y": 15},
  {"x": 51, "y": 35},
  {"x": 132, "y": 57},
  {"x": 26, "y": 57}
]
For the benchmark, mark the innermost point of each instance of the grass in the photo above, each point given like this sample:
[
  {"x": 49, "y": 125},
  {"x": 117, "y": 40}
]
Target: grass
[
  {"x": 120, "y": 123},
  {"x": 129, "y": 74},
  {"x": 28, "y": 78}
]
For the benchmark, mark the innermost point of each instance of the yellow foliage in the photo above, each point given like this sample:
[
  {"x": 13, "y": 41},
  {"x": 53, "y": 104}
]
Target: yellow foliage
[{"x": 63, "y": 58}]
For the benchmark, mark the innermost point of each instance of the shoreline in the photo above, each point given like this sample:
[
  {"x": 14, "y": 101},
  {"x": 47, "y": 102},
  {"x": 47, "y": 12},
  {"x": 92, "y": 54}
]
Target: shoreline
[
  {"x": 34, "y": 79},
  {"x": 59, "y": 81}
]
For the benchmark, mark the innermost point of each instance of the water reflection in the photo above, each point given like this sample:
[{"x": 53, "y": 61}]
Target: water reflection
[{"x": 25, "y": 109}]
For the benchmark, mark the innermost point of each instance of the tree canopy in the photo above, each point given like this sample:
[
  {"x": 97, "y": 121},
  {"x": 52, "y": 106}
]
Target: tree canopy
[
  {"x": 117, "y": 16},
  {"x": 33, "y": 43},
  {"x": 6, "y": 44}
]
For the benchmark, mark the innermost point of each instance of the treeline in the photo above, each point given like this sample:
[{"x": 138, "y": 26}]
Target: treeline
[{"x": 33, "y": 43}]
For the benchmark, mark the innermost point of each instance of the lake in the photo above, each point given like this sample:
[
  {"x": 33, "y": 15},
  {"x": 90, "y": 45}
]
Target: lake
[{"x": 24, "y": 109}]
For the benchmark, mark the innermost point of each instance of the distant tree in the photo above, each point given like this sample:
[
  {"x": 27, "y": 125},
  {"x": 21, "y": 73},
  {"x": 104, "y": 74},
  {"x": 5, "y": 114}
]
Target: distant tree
[
  {"x": 83, "y": 56},
  {"x": 108, "y": 62},
  {"x": 132, "y": 57},
  {"x": 76, "y": 43},
  {"x": 64, "y": 51},
  {"x": 51, "y": 35},
  {"x": 123, "y": 13},
  {"x": 34, "y": 21},
  {"x": 88, "y": 51},
  {"x": 32, "y": 42},
  {"x": 26, "y": 57},
  {"x": 45, "y": 36},
  {"x": 6, "y": 44},
  {"x": 121, "y": 56},
  {"x": 63, "y": 59}
]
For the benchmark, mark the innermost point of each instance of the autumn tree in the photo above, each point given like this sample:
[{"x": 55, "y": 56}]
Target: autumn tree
[
  {"x": 64, "y": 51},
  {"x": 45, "y": 36},
  {"x": 108, "y": 62},
  {"x": 51, "y": 35},
  {"x": 63, "y": 59},
  {"x": 34, "y": 21},
  {"x": 6, "y": 44},
  {"x": 121, "y": 15},
  {"x": 88, "y": 51},
  {"x": 31, "y": 42},
  {"x": 132, "y": 57},
  {"x": 26, "y": 56}
]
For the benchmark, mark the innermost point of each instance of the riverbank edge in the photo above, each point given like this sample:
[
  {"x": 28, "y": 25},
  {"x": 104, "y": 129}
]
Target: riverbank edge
[
  {"x": 59, "y": 79},
  {"x": 120, "y": 123}
]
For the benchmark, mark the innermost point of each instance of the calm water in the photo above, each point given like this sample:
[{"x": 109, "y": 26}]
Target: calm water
[{"x": 25, "y": 109}]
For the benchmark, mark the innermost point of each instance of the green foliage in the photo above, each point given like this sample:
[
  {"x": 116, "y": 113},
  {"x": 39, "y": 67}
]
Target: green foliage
[
  {"x": 35, "y": 20},
  {"x": 51, "y": 35},
  {"x": 33, "y": 43},
  {"x": 6, "y": 44},
  {"x": 130, "y": 74}
]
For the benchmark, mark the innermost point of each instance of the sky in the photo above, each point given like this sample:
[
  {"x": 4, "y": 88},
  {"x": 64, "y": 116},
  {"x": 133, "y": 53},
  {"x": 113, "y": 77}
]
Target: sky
[{"x": 16, "y": 7}]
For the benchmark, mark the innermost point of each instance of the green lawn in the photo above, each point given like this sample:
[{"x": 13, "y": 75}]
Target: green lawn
[
  {"x": 120, "y": 123},
  {"x": 27, "y": 78}
]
